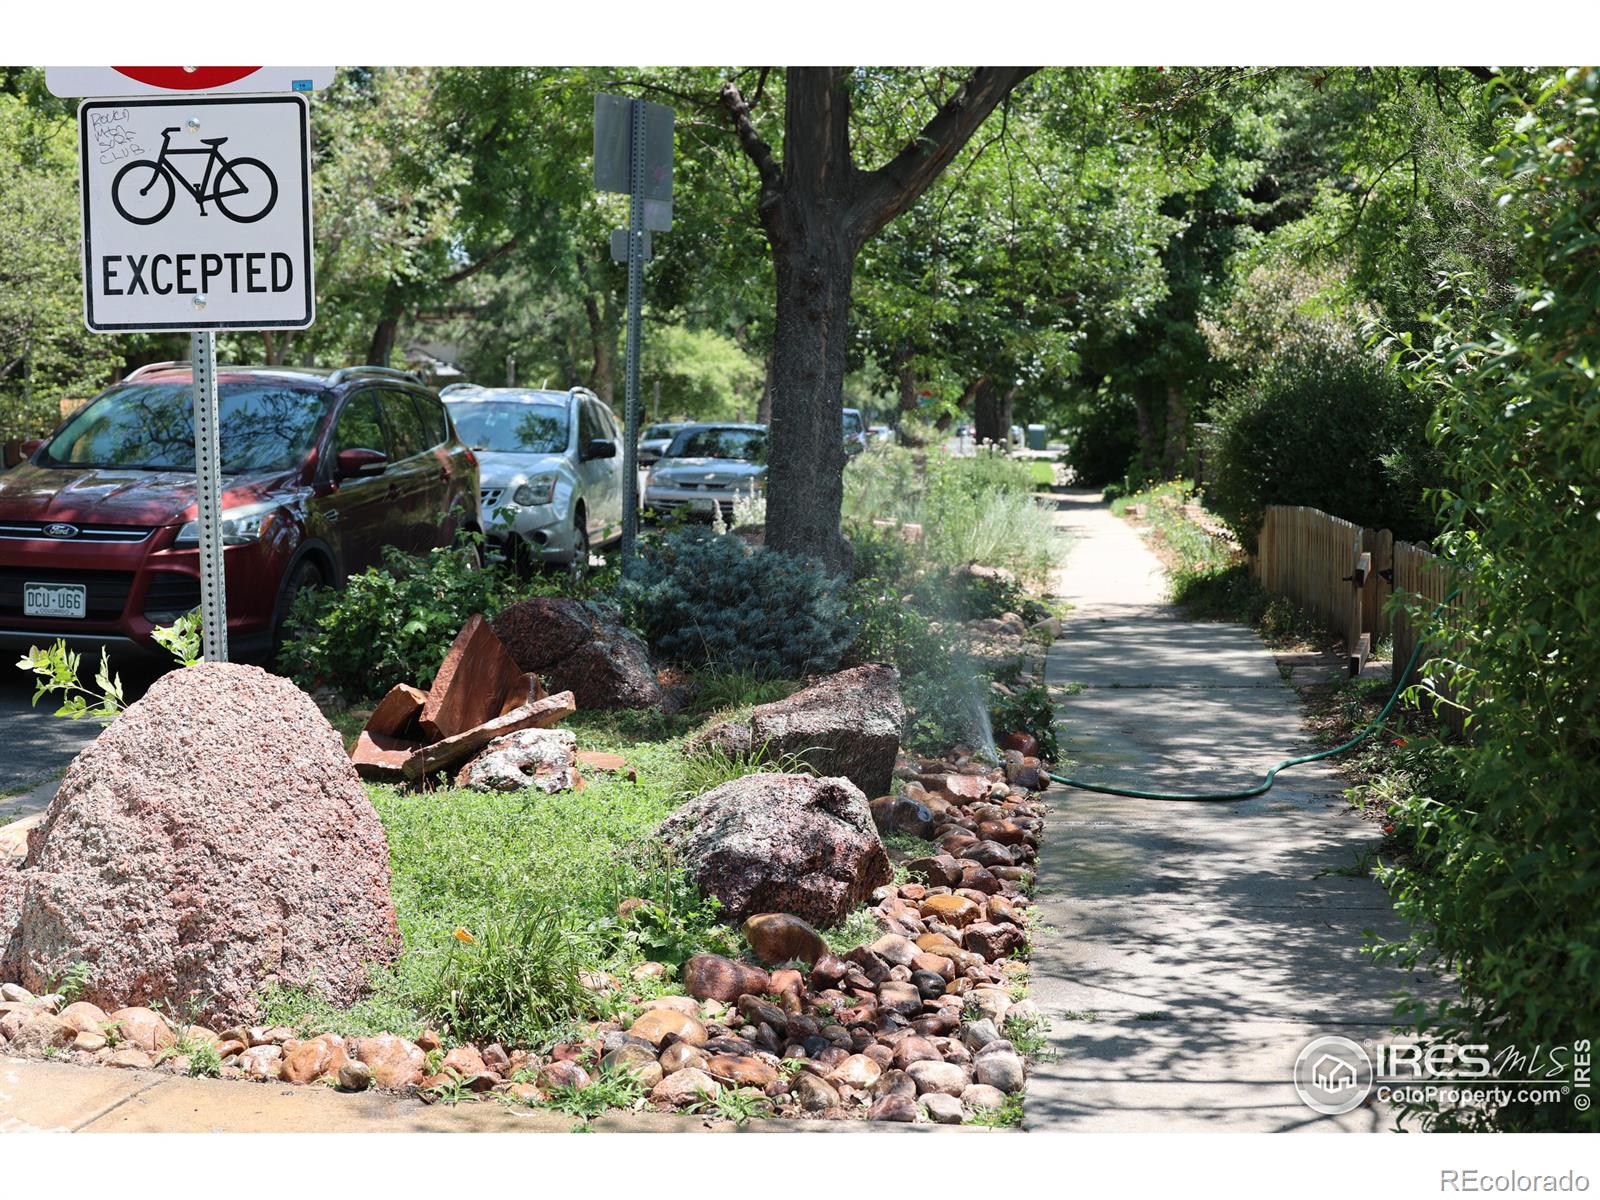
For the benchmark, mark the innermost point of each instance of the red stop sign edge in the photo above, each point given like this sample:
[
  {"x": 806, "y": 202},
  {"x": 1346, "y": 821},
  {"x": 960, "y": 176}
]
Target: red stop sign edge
[{"x": 182, "y": 79}]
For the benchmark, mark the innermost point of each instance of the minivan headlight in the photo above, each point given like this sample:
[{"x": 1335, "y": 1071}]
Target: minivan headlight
[
  {"x": 538, "y": 490},
  {"x": 240, "y": 526}
]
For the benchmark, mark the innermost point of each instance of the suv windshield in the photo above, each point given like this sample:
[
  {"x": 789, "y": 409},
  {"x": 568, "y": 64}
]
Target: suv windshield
[
  {"x": 748, "y": 445},
  {"x": 513, "y": 426},
  {"x": 149, "y": 427}
]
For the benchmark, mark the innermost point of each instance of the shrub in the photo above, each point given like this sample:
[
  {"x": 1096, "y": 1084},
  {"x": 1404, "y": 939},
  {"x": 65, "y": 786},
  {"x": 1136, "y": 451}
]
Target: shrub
[
  {"x": 970, "y": 595},
  {"x": 944, "y": 705},
  {"x": 971, "y": 509},
  {"x": 1507, "y": 860},
  {"x": 1334, "y": 429},
  {"x": 391, "y": 624},
  {"x": 890, "y": 630},
  {"x": 512, "y": 979},
  {"x": 701, "y": 598},
  {"x": 1102, "y": 440},
  {"x": 1025, "y": 708}
]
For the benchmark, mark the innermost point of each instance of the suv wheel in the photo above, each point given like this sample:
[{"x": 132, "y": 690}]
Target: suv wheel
[
  {"x": 579, "y": 567},
  {"x": 306, "y": 575}
]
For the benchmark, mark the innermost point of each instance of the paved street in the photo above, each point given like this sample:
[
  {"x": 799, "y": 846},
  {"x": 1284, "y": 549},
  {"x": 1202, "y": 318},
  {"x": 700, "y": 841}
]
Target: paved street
[
  {"x": 38, "y": 746},
  {"x": 1190, "y": 950}
]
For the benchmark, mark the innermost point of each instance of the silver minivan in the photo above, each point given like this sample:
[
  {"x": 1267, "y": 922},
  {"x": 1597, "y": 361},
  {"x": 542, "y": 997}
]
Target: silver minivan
[{"x": 549, "y": 470}]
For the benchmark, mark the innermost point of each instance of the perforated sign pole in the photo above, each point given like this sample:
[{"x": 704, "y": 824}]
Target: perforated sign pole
[
  {"x": 630, "y": 416},
  {"x": 208, "y": 497}
]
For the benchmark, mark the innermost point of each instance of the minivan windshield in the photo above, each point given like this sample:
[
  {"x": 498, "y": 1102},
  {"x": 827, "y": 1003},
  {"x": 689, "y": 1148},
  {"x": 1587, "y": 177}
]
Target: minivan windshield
[
  {"x": 263, "y": 427},
  {"x": 512, "y": 426},
  {"x": 747, "y": 445}
]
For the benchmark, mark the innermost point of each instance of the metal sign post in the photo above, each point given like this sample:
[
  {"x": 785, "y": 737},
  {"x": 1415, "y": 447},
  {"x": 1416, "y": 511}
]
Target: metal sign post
[
  {"x": 633, "y": 153},
  {"x": 630, "y": 445},
  {"x": 208, "y": 497}
]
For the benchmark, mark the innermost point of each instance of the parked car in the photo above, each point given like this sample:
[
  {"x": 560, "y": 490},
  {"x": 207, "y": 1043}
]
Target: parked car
[
  {"x": 706, "y": 467},
  {"x": 855, "y": 431},
  {"x": 550, "y": 471},
  {"x": 879, "y": 433},
  {"x": 656, "y": 438},
  {"x": 321, "y": 469}
]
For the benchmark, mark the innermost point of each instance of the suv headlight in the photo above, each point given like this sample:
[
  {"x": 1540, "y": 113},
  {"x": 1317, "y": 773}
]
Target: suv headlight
[
  {"x": 239, "y": 525},
  {"x": 538, "y": 490}
]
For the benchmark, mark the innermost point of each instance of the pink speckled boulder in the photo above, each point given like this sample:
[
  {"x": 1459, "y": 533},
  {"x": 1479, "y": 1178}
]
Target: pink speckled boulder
[{"x": 213, "y": 839}]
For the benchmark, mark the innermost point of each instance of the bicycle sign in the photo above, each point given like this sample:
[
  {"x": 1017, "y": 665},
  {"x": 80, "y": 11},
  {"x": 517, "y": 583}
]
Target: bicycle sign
[
  {"x": 196, "y": 213},
  {"x": 246, "y": 181}
]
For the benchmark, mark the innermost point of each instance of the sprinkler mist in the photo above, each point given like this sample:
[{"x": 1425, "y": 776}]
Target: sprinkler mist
[{"x": 982, "y": 727}]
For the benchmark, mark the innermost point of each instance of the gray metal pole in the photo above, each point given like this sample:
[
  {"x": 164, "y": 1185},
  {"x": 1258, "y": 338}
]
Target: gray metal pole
[
  {"x": 208, "y": 497},
  {"x": 630, "y": 445}
]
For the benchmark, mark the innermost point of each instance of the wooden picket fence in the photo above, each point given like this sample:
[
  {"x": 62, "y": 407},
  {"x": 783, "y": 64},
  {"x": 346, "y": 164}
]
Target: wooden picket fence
[{"x": 1344, "y": 575}]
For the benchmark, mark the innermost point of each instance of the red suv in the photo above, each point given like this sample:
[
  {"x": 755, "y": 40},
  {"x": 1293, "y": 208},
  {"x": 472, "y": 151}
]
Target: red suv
[{"x": 321, "y": 470}]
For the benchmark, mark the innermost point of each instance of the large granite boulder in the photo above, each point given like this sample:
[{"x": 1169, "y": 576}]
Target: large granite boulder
[
  {"x": 781, "y": 844},
  {"x": 582, "y": 647},
  {"x": 212, "y": 839},
  {"x": 845, "y": 724}
]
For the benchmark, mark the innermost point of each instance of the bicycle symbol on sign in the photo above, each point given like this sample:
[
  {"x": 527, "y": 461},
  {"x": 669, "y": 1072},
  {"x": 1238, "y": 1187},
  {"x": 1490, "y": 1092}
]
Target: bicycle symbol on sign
[{"x": 243, "y": 188}]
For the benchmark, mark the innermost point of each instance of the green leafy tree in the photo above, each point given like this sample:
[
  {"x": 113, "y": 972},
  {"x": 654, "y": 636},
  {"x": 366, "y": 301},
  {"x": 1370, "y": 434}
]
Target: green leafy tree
[
  {"x": 46, "y": 354},
  {"x": 1508, "y": 844}
]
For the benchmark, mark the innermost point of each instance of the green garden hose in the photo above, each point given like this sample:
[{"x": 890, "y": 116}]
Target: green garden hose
[{"x": 1267, "y": 780}]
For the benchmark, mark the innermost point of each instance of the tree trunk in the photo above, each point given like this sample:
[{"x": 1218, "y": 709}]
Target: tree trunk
[
  {"x": 818, "y": 209},
  {"x": 601, "y": 314},
  {"x": 1177, "y": 442},
  {"x": 383, "y": 339},
  {"x": 805, "y": 474},
  {"x": 906, "y": 372},
  {"x": 986, "y": 420},
  {"x": 1149, "y": 452},
  {"x": 764, "y": 405}
]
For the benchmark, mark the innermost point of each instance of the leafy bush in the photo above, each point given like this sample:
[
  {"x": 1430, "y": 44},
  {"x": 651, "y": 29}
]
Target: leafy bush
[
  {"x": 890, "y": 630},
  {"x": 1102, "y": 439},
  {"x": 1507, "y": 860},
  {"x": 1334, "y": 429},
  {"x": 1025, "y": 708},
  {"x": 944, "y": 705},
  {"x": 702, "y": 598},
  {"x": 391, "y": 624}
]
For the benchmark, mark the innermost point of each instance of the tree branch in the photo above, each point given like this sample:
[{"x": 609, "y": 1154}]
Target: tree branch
[
  {"x": 885, "y": 193},
  {"x": 494, "y": 256},
  {"x": 750, "y": 140}
]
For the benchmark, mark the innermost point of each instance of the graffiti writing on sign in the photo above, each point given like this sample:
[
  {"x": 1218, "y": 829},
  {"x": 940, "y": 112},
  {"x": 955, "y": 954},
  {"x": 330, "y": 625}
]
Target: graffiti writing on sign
[{"x": 112, "y": 138}]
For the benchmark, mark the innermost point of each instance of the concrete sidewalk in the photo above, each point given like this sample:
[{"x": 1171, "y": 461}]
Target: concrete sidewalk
[
  {"x": 47, "y": 1097},
  {"x": 1189, "y": 951}
]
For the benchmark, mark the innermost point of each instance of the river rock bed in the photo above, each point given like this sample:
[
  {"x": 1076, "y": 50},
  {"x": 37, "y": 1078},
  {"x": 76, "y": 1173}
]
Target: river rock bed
[{"x": 921, "y": 1023}]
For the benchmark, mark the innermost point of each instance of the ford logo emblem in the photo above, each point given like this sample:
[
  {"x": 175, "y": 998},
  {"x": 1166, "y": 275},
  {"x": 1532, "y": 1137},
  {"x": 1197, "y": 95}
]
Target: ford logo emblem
[{"x": 61, "y": 530}]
